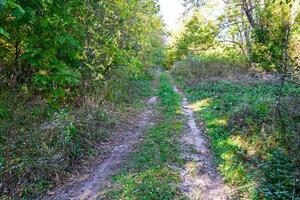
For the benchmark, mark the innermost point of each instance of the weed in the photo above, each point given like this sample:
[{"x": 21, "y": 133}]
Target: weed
[
  {"x": 41, "y": 145},
  {"x": 148, "y": 174},
  {"x": 240, "y": 119}
]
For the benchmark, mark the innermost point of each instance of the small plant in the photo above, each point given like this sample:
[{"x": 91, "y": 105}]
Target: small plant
[
  {"x": 241, "y": 121},
  {"x": 4, "y": 112},
  {"x": 148, "y": 174}
]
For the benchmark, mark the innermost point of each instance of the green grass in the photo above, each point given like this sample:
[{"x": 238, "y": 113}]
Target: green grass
[
  {"x": 32, "y": 156},
  {"x": 148, "y": 174},
  {"x": 246, "y": 139}
]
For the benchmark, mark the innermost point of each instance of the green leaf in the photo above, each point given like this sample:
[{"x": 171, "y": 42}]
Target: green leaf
[
  {"x": 19, "y": 12},
  {"x": 4, "y": 33},
  {"x": 3, "y": 3}
]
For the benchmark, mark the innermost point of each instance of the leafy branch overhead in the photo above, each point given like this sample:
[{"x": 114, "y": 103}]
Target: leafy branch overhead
[{"x": 61, "y": 44}]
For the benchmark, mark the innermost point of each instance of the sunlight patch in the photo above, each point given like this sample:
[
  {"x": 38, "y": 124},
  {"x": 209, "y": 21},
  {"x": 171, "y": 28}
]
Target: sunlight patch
[
  {"x": 237, "y": 140},
  {"x": 200, "y": 105},
  {"x": 219, "y": 122}
]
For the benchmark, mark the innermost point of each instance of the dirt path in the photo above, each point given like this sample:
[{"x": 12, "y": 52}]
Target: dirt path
[
  {"x": 91, "y": 185},
  {"x": 200, "y": 179}
]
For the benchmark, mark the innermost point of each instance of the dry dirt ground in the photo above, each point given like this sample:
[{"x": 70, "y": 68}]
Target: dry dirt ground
[
  {"x": 200, "y": 179},
  {"x": 89, "y": 186}
]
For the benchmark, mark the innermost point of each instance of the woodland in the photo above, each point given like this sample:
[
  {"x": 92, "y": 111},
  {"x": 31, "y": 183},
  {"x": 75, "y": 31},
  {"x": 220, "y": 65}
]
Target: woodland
[{"x": 76, "y": 73}]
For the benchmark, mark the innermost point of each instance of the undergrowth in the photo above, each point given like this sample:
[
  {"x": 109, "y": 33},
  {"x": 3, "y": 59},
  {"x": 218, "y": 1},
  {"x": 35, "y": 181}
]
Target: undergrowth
[
  {"x": 41, "y": 144},
  {"x": 252, "y": 151},
  {"x": 148, "y": 174}
]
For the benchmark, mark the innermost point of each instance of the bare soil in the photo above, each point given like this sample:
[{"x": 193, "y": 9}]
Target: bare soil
[
  {"x": 90, "y": 185},
  {"x": 200, "y": 178}
]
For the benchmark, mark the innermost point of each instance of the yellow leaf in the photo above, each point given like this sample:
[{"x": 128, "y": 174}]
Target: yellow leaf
[{"x": 43, "y": 72}]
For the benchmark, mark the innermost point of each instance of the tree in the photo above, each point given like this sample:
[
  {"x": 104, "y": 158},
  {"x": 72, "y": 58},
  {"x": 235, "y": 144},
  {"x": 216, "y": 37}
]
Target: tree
[
  {"x": 58, "y": 45},
  {"x": 263, "y": 28},
  {"x": 197, "y": 36}
]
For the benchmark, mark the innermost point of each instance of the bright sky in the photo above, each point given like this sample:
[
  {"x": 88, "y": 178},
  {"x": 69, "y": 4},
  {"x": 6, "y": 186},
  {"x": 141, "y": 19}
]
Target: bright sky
[{"x": 172, "y": 10}]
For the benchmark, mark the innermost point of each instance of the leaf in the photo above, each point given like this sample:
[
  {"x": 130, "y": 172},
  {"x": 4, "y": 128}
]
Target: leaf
[
  {"x": 70, "y": 39},
  {"x": 4, "y": 33},
  {"x": 19, "y": 12},
  {"x": 3, "y": 3}
]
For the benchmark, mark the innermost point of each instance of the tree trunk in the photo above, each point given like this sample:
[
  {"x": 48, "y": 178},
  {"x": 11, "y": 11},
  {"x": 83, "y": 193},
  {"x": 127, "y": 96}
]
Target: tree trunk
[
  {"x": 246, "y": 31},
  {"x": 17, "y": 53},
  {"x": 247, "y": 7}
]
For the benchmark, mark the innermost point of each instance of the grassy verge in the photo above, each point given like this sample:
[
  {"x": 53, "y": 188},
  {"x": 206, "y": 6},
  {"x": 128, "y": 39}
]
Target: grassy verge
[
  {"x": 250, "y": 148},
  {"x": 41, "y": 145},
  {"x": 148, "y": 174}
]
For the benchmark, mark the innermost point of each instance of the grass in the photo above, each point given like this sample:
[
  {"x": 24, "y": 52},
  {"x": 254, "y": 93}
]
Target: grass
[
  {"x": 40, "y": 145},
  {"x": 148, "y": 174},
  {"x": 249, "y": 146}
]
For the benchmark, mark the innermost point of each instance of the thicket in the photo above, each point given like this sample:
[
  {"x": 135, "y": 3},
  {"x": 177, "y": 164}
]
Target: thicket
[
  {"x": 265, "y": 34},
  {"x": 61, "y": 61},
  {"x": 59, "y": 45}
]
